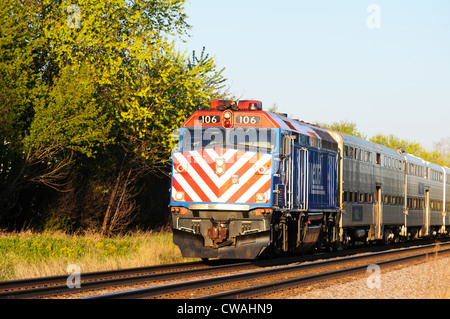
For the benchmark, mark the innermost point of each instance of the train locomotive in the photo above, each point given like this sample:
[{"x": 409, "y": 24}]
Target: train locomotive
[{"x": 248, "y": 183}]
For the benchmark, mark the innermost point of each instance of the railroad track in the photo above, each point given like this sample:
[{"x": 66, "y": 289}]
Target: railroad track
[
  {"x": 57, "y": 285},
  {"x": 45, "y": 287},
  {"x": 219, "y": 278},
  {"x": 298, "y": 273}
]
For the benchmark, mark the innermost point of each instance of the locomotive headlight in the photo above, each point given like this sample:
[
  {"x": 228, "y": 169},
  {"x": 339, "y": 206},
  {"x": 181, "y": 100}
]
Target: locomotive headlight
[
  {"x": 227, "y": 115},
  {"x": 260, "y": 197},
  {"x": 220, "y": 162},
  {"x": 179, "y": 196},
  {"x": 220, "y": 170},
  {"x": 220, "y": 166}
]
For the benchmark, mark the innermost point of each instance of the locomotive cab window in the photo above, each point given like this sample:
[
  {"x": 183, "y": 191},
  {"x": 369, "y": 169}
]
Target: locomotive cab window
[
  {"x": 207, "y": 138},
  {"x": 253, "y": 139}
]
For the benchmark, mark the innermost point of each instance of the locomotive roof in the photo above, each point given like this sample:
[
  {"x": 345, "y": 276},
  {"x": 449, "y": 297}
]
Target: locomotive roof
[{"x": 301, "y": 127}]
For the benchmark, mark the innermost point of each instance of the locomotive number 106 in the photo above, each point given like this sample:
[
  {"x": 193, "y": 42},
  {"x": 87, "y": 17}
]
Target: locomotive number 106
[
  {"x": 209, "y": 119},
  {"x": 245, "y": 119}
]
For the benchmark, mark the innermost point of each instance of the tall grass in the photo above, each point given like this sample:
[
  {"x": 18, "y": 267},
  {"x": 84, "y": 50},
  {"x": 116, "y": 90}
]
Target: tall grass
[{"x": 28, "y": 254}]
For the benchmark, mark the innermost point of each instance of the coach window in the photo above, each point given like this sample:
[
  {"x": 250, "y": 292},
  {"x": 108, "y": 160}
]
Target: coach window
[
  {"x": 378, "y": 159},
  {"x": 346, "y": 150}
]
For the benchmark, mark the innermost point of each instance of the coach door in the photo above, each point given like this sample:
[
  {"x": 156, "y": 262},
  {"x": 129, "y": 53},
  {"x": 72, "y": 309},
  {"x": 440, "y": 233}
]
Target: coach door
[
  {"x": 426, "y": 217},
  {"x": 378, "y": 213}
]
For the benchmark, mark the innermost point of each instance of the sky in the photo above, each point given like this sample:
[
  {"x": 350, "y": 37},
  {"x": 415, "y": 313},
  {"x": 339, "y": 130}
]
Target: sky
[{"x": 384, "y": 65}]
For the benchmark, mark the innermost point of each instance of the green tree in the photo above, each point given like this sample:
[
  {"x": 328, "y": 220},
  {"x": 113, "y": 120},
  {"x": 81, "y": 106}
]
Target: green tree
[
  {"x": 21, "y": 44},
  {"x": 90, "y": 92},
  {"x": 411, "y": 147},
  {"x": 345, "y": 127},
  {"x": 443, "y": 147}
]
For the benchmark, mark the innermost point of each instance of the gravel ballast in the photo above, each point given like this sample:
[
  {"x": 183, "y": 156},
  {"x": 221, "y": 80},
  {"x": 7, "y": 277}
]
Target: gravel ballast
[{"x": 427, "y": 280}]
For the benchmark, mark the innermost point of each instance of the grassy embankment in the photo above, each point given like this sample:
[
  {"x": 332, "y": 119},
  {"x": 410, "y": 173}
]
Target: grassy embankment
[{"x": 27, "y": 254}]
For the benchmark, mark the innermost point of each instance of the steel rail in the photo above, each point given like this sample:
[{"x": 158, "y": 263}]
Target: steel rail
[
  {"x": 61, "y": 279},
  {"x": 54, "y": 285},
  {"x": 271, "y": 287},
  {"x": 221, "y": 280},
  {"x": 45, "y": 286}
]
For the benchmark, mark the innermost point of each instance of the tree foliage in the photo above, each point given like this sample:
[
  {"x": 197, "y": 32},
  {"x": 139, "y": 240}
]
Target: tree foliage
[
  {"x": 440, "y": 155},
  {"x": 346, "y": 127},
  {"x": 411, "y": 147},
  {"x": 89, "y": 94}
]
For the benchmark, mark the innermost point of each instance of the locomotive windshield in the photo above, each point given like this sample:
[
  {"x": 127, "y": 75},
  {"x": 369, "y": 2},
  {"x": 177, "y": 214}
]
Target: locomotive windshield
[
  {"x": 206, "y": 138},
  {"x": 263, "y": 140},
  {"x": 253, "y": 139}
]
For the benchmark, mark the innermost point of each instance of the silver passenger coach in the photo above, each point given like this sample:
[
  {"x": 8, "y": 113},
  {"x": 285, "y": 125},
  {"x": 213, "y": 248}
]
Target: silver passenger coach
[{"x": 387, "y": 194}]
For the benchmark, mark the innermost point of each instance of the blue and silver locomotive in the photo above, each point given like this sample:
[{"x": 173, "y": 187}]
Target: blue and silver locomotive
[{"x": 247, "y": 183}]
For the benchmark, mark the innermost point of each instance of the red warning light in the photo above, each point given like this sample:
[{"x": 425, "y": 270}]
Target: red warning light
[
  {"x": 250, "y": 105},
  {"x": 227, "y": 119},
  {"x": 222, "y": 105}
]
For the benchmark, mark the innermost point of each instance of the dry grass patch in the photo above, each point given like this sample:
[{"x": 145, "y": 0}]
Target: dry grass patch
[{"x": 28, "y": 254}]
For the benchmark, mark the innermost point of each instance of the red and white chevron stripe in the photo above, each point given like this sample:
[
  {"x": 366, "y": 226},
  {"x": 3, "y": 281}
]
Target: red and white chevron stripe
[{"x": 245, "y": 175}]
